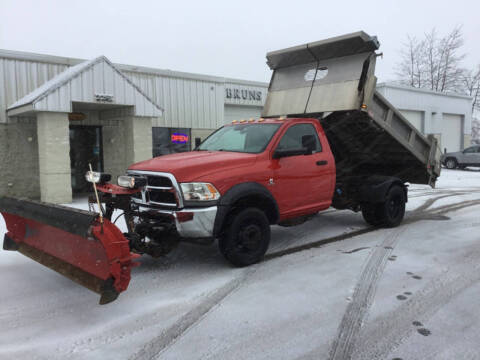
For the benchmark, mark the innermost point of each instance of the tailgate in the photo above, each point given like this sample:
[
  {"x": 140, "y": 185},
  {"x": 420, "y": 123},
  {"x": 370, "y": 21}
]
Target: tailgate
[{"x": 330, "y": 75}]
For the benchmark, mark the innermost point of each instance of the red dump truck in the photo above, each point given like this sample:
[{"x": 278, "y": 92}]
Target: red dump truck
[{"x": 326, "y": 138}]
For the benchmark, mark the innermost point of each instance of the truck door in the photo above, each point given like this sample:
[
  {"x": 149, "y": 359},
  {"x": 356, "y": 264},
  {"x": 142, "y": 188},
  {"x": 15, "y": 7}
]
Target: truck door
[{"x": 303, "y": 183}]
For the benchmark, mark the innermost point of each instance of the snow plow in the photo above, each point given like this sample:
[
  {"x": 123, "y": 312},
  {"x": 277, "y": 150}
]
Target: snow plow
[{"x": 78, "y": 244}]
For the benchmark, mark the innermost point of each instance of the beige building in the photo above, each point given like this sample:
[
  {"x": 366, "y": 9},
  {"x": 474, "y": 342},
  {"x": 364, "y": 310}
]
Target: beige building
[{"x": 57, "y": 115}]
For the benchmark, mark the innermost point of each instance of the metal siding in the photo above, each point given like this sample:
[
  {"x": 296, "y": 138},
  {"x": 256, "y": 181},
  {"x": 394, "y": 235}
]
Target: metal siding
[
  {"x": 188, "y": 103},
  {"x": 108, "y": 80},
  {"x": 118, "y": 88},
  {"x": 98, "y": 79},
  {"x": 76, "y": 88},
  {"x": 415, "y": 118},
  {"x": 236, "y": 112},
  {"x": 11, "y": 82},
  {"x": 3, "y": 100}
]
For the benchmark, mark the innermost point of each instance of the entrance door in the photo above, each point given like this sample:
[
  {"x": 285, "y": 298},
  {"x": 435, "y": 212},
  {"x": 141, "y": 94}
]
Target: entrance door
[{"x": 85, "y": 148}]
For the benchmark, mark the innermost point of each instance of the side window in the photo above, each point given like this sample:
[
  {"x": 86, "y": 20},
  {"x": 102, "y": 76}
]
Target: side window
[
  {"x": 471, "y": 150},
  {"x": 300, "y": 135}
]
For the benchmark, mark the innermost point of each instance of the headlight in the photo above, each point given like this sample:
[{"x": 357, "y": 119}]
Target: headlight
[
  {"x": 97, "y": 177},
  {"x": 131, "y": 182},
  {"x": 199, "y": 192}
]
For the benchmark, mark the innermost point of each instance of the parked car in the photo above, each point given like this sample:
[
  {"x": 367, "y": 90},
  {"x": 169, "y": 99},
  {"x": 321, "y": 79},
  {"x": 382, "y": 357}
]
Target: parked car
[{"x": 461, "y": 159}]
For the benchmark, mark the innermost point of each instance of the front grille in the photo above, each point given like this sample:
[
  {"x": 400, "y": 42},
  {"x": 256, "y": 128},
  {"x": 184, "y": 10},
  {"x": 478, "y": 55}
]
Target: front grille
[
  {"x": 159, "y": 181},
  {"x": 162, "y": 197},
  {"x": 161, "y": 190}
]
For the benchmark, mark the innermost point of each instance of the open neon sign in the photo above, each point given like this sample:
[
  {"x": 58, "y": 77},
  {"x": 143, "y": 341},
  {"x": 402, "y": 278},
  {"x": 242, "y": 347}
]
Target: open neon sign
[{"x": 179, "y": 138}]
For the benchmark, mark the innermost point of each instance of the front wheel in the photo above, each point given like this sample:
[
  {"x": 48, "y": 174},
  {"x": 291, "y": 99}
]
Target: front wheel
[
  {"x": 246, "y": 238},
  {"x": 451, "y": 163}
]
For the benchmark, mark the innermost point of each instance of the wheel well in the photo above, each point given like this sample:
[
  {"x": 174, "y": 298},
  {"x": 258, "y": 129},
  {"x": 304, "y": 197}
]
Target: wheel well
[
  {"x": 257, "y": 201},
  {"x": 401, "y": 185}
]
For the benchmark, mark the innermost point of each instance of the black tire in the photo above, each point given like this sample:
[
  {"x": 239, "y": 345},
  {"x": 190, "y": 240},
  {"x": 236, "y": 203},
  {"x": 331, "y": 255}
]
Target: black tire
[
  {"x": 370, "y": 214},
  {"x": 389, "y": 213},
  {"x": 451, "y": 163},
  {"x": 246, "y": 238},
  {"x": 392, "y": 211}
]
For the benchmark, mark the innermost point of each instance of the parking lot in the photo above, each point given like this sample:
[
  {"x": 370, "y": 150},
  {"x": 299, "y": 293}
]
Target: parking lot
[{"x": 332, "y": 288}]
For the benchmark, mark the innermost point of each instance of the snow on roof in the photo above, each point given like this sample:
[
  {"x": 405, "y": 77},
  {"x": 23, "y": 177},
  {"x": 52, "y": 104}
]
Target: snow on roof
[
  {"x": 55, "y": 82},
  {"x": 67, "y": 75}
]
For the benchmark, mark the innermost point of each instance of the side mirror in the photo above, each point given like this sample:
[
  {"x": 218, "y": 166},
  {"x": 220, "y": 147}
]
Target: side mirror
[{"x": 280, "y": 153}]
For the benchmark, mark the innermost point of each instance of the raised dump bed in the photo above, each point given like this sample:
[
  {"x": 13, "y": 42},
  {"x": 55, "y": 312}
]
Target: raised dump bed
[{"x": 333, "y": 80}]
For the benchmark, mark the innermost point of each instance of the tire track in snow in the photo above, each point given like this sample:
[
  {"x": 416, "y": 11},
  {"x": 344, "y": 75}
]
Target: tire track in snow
[
  {"x": 412, "y": 216},
  {"x": 357, "y": 310},
  {"x": 158, "y": 344},
  {"x": 381, "y": 338}
]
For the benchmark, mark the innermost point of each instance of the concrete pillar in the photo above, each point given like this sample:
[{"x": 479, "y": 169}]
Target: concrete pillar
[
  {"x": 114, "y": 149},
  {"x": 138, "y": 139},
  {"x": 54, "y": 157}
]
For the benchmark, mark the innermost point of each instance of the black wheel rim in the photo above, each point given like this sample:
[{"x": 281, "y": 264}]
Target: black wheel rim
[
  {"x": 394, "y": 207},
  {"x": 249, "y": 238}
]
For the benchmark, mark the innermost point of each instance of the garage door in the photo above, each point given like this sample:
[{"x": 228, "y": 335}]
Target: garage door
[
  {"x": 236, "y": 112},
  {"x": 452, "y": 132},
  {"x": 415, "y": 117}
]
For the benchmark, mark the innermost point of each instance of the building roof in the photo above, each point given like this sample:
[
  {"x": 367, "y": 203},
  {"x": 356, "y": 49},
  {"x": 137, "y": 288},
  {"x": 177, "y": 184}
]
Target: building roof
[
  {"x": 421, "y": 90},
  {"x": 104, "y": 76},
  {"x": 52, "y": 59}
]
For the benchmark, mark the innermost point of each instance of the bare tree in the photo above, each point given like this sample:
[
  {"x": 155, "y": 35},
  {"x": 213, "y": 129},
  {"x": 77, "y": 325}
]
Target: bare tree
[
  {"x": 471, "y": 85},
  {"x": 475, "y": 130},
  {"x": 433, "y": 62},
  {"x": 409, "y": 70}
]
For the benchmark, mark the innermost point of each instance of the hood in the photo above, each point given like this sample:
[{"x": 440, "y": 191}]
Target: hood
[
  {"x": 190, "y": 166},
  {"x": 456, "y": 153}
]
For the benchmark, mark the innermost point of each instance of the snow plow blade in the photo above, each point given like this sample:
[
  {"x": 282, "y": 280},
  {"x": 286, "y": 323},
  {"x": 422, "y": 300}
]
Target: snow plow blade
[{"x": 72, "y": 242}]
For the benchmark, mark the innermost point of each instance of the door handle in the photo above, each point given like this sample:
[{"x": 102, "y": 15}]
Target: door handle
[{"x": 322, "y": 162}]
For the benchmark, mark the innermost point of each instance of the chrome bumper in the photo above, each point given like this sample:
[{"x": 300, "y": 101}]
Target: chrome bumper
[{"x": 193, "y": 222}]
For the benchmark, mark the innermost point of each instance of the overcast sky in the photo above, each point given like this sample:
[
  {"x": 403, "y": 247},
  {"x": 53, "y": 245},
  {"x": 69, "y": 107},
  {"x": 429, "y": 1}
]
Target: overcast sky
[{"x": 224, "y": 38}]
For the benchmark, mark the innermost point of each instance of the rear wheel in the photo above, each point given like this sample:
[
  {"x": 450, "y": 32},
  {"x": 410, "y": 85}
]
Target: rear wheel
[
  {"x": 392, "y": 210},
  {"x": 451, "y": 163},
  {"x": 370, "y": 214},
  {"x": 246, "y": 238},
  {"x": 389, "y": 213}
]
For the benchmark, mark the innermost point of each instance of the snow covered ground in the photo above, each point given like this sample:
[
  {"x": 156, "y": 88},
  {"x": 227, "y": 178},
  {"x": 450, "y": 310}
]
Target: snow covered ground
[{"x": 408, "y": 293}]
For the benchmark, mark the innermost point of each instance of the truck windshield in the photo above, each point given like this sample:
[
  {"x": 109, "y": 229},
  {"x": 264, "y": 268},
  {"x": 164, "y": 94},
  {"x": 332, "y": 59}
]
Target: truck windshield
[{"x": 247, "y": 138}]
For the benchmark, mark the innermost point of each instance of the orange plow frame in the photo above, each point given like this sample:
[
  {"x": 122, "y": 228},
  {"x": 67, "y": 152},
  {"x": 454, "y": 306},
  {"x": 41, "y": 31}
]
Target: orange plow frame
[{"x": 72, "y": 242}]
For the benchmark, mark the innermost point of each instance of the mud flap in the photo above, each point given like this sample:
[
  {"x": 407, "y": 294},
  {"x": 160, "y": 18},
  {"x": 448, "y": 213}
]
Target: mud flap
[{"x": 72, "y": 242}]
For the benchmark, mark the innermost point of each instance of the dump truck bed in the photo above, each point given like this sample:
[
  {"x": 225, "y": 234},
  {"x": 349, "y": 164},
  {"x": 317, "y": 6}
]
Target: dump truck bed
[{"x": 333, "y": 80}]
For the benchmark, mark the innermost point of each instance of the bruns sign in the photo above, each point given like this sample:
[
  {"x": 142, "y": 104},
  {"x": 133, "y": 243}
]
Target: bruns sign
[{"x": 243, "y": 94}]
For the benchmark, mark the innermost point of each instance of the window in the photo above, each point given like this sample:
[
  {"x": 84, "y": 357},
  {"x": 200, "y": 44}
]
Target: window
[
  {"x": 470, "y": 150},
  {"x": 170, "y": 140},
  {"x": 247, "y": 138},
  {"x": 299, "y": 136}
]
